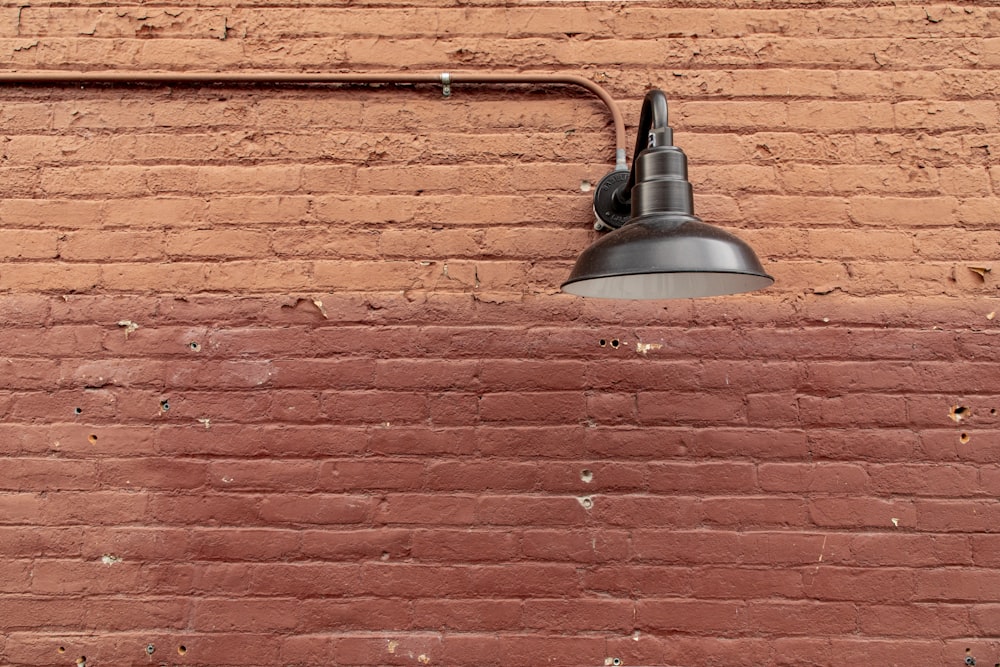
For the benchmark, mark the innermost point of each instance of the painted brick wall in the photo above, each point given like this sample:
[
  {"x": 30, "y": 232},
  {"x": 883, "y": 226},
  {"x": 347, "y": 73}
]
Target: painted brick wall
[{"x": 286, "y": 378}]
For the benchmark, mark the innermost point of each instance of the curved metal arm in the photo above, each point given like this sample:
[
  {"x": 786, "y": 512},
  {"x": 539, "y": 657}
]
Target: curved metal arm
[{"x": 654, "y": 130}]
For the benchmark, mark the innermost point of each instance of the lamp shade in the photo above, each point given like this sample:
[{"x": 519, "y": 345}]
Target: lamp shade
[
  {"x": 659, "y": 249},
  {"x": 666, "y": 256}
]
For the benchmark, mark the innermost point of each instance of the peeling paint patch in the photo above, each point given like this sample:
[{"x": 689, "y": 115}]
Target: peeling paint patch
[
  {"x": 981, "y": 271},
  {"x": 644, "y": 348},
  {"x": 110, "y": 559},
  {"x": 320, "y": 308},
  {"x": 129, "y": 326}
]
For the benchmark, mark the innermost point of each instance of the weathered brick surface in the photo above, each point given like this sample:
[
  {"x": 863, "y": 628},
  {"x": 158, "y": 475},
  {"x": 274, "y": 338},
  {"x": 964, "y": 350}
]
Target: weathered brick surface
[{"x": 285, "y": 377}]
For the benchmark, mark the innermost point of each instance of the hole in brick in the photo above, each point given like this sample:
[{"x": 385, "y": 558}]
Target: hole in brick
[
  {"x": 385, "y": 555},
  {"x": 585, "y": 186},
  {"x": 92, "y": 439},
  {"x": 602, "y": 343},
  {"x": 964, "y": 438},
  {"x": 78, "y": 411},
  {"x": 164, "y": 405},
  {"x": 615, "y": 343},
  {"x": 959, "y": 412},
  {"x": 587, "y": 502},
  {"x": 993, "y": 412},
  {"x": 195, "y": 346},
  {"x": 61, "y": 649},
  {"x": 182, "y": 649},
  {"x": 587, "y": 476}
]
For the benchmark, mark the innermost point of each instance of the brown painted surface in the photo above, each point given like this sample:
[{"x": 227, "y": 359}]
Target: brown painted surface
[{"x": 285, "y": 377}]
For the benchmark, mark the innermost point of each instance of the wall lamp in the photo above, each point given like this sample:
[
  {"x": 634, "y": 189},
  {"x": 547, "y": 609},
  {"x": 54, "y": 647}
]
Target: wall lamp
[{"x": 658, "y": 248}]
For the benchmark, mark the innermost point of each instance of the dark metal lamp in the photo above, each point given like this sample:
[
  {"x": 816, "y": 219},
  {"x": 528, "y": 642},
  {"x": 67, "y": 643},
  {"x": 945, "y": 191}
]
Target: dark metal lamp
[{"x": 659, "y": 249}]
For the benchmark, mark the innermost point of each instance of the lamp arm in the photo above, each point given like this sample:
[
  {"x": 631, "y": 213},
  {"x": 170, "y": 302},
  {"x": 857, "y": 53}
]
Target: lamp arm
[
  {"x": 654, "y": 130},
  {"x": 613, "y": 195}
]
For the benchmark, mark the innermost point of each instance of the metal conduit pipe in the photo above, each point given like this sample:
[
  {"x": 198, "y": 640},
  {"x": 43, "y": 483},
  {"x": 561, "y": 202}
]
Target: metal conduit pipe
[{"x": 277, "y": 78}]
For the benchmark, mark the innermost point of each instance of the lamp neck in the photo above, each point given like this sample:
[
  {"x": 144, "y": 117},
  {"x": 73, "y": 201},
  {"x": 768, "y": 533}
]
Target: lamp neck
[{"x": 654, "y": 131}]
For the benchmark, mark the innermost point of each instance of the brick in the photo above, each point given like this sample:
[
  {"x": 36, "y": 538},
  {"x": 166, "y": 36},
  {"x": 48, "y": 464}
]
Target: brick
[
  {"x": 364, "y": 543},
  {"x": 468, "y": 615},
  {"x": 485, "y": 476},
  {"x": 806, "y": 478},
  {"x": 906, "y": 620},
  {"x": 676, "y": 546},
  {"x": 247, "y": 615},
  {"x": 691, "y": 616},
  {"x": 375, "y": 407},
  {"x": 583, "y": 547},
  {"x": 94, "y": 577},
  {"x": 531, "y": 510},
  {"x": 719, "y": 477},
  {"x": 875, "y": 585},
  {"x": 312, "y": 509},
  {"x": 27, "y": 245},
  {"x": 754, "y": 511},
  {"x": 855, "y": 409},
  {"x": 427, "y": 509},
  {"x": 302, "y": 580},
  {"x": 41, "y": 541},
  {"x": 583, "y": 614},
  {"x": 747, "y": 583},
  {"x": 802, "y": 618},
  {"x": 862, "y": 512},
  {"x": 358, "y": 475},
  {"x": 957, "y": 585},
  {"x": 49, "y": 474},
  {"x": 367, "y": 650},
  {"x": 356, "y": 614},
  {"x": 449, "y": 545},
  {"x": 152, "y": 474},
  {"x": 659, "y": 407},
  {"x": 526, "y": 580},
  {"x": 532, "y": 407}
]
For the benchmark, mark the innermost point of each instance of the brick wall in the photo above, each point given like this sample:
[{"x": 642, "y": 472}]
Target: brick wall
[{"x": 286, "y": 377}]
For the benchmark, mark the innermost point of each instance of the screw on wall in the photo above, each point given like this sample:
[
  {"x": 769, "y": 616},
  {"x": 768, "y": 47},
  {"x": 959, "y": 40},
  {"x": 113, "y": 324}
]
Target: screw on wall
[
  {"x": 586, "y": 501},
  {"x": 164, "y": 405},
  {"x": 969, "y": 659},
  {"x": 150, "y": 649}
]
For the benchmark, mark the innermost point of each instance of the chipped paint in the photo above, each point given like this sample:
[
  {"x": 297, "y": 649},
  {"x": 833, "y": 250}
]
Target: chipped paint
[{"x": 129, "y": 326}]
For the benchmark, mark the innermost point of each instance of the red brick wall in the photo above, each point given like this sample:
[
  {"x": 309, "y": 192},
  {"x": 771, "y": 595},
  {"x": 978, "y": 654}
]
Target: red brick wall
[{"x": 358, "y": 425}]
